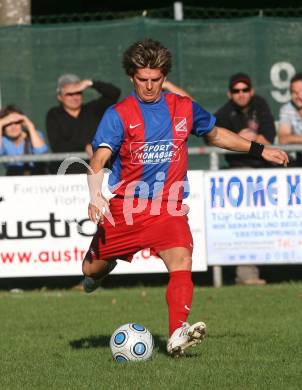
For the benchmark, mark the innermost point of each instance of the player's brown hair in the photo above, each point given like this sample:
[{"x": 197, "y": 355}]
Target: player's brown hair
[{"x": 147, "y": 54}]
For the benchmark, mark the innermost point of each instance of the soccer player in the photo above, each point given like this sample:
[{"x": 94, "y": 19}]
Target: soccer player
[{"x": 144, "y": 136}]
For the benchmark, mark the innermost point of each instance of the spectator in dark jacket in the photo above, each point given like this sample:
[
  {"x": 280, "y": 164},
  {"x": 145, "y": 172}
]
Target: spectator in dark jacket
[
  {"x": 71, "y": 125},
  {"x": 248, "y": 115}
]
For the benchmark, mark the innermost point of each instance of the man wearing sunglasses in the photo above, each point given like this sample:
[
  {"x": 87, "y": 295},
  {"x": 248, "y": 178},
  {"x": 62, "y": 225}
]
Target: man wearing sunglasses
[
  {"x": 71, "y": 125},
  {"x": 249, "y": 116}
]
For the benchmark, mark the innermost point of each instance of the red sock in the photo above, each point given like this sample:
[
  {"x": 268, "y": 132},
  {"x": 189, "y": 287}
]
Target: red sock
[{"x": 179, "y": 298}]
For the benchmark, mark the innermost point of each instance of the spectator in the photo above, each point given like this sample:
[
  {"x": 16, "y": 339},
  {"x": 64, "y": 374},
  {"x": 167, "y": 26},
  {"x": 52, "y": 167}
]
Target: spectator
[
  {"x": 290, "y": 119},
  {"x": 71, "y": 125},
  {"x": 249, "y": 116},
  {"x": 19, "y": 136}
]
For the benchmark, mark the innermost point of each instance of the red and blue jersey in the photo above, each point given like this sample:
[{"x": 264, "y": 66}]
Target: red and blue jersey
[{"x": 149, "y": 144}]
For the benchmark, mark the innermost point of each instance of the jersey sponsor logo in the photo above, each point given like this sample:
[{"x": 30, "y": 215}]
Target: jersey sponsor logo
[
  {"x": 134, "y": 126},
  {"x": 156, "y": 152},
  {"x": 180, "y": 124}
]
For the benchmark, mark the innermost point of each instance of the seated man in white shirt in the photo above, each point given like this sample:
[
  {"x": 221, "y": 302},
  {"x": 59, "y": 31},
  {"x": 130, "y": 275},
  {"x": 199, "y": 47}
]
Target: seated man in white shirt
[{"x": 290, "y": 121}]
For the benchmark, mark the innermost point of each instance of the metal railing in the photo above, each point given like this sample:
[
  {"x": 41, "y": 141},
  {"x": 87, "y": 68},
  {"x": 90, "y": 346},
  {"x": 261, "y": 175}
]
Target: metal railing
[{"x": 212, "y": 151}]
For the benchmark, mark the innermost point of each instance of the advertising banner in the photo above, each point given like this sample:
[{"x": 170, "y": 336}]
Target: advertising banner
[
  {"x": 253, "y": 216},
  {"x": 45, "y": 231}
]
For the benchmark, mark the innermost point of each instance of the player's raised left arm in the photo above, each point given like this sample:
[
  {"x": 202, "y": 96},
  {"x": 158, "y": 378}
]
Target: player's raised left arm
[{"x": 226, "y": 139}]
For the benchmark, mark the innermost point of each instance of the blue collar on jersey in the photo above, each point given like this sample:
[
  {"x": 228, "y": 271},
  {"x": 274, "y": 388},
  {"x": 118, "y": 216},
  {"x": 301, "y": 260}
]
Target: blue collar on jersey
[{"x": 149, "y": 103}]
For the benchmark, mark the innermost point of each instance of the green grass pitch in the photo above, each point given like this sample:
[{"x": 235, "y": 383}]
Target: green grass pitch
[{"x": 60, "y": 339}]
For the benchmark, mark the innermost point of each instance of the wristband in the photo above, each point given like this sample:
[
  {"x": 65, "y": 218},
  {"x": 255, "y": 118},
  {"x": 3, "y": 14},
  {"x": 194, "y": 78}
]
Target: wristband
[{"x": 256, "y": 149}]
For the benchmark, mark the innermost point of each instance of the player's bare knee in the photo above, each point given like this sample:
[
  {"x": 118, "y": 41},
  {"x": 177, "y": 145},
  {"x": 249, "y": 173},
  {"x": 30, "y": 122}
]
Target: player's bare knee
[
  {"x": 180, "y": 263},
  {"x": 98, "y": 268},
  {"x": 186, "y": 261}
]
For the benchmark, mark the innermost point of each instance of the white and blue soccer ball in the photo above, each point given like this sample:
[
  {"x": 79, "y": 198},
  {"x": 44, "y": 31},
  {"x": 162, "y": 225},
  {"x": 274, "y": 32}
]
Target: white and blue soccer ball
[{"x": 131, "y": 342}]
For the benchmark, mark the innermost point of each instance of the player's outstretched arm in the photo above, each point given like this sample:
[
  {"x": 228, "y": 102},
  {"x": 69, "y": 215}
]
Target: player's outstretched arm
[
  {"x": 226, "y": 139},
  {"x": 98, "y": 204}
]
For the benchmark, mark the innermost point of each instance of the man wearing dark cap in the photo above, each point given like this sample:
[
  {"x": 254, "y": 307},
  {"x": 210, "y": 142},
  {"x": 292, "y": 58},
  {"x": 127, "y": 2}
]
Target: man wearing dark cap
[
  {"x": 71, "y": 125},
  {"x": 249, "y": 116}
]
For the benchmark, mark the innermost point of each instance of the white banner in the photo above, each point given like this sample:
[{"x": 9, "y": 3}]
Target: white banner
[
  {"x": 254, "y": 216},
  {"x": 44, "y": 229}
]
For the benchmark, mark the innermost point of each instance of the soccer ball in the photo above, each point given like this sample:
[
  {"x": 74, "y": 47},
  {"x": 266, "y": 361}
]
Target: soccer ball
[{"x": 131, "y": 342}]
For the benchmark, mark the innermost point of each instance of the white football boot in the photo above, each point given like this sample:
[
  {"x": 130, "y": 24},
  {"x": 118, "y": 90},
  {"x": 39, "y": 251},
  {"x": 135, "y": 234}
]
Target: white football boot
[{"x": 184, "y": 337}]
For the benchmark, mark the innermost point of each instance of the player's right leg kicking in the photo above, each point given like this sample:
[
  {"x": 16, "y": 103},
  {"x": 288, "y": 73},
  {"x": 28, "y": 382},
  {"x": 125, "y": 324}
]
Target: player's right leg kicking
[{"x": 179, "y": 298}]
